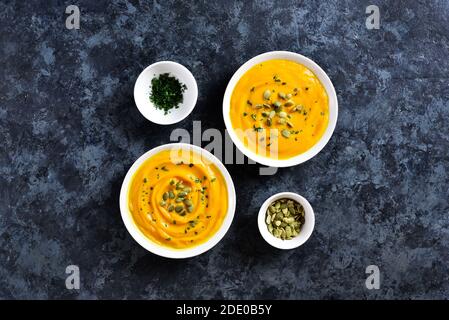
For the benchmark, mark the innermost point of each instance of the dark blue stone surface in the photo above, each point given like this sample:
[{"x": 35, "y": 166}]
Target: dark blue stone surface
[{"x": 70, "y": 130}]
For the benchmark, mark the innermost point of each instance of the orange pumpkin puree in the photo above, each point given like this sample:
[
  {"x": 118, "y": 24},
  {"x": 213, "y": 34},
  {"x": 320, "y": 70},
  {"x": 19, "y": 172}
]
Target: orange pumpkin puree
[
  {"x": 183, "y": 175},
  {"x": 279, "y": 109}
]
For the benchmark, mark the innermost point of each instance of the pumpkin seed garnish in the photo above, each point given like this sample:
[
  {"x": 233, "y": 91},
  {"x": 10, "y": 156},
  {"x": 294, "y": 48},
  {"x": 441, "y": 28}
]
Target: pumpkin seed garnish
[
  {"x": 282, "y": 95},
  {"x": 282, "y": 114},
  {"x": 297, "y": 108},
  {"x": 284, "y": 218},
  {"x": 277, "y": 104},
  {"x": 285, "y": 133},
  {"x": 289, "y": 103},
  {"x": 281, "y": 121},
  {"x": 267, "y": 94}
]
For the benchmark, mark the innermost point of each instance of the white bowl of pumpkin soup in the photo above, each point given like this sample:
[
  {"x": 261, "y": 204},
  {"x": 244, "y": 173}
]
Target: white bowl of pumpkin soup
[
  {"x": 280, "y": 108},
  {"x": 177, "y": 200}
]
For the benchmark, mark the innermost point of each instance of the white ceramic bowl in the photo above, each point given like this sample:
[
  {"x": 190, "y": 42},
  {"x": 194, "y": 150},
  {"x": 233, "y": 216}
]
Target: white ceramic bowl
[
  {"x": 166, "y": 251},
  {"x": 306, "y": 230},
  {"x": 142, "y": 91},
  {"x": 333, "y": 108}
]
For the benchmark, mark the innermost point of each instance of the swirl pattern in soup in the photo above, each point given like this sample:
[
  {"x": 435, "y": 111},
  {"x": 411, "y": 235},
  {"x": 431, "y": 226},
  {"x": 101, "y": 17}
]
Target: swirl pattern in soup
[{"x": 178, "y": 199}]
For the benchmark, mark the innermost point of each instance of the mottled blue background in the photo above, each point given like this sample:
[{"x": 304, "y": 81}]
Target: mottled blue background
[{"x": 70, "y": 130}]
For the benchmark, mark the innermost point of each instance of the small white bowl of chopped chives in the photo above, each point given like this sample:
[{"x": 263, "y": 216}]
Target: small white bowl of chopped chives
[
  {"x": 165, "y": 92},
  {"x": 286, "y": 220}
]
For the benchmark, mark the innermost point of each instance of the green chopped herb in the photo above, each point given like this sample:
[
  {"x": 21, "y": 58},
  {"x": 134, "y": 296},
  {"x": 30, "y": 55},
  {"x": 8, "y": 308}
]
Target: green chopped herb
[{"x": 166, "y": 92}]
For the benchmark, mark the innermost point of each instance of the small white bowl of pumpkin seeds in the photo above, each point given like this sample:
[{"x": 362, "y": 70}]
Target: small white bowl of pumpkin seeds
[{"x": 286, "y": 220}]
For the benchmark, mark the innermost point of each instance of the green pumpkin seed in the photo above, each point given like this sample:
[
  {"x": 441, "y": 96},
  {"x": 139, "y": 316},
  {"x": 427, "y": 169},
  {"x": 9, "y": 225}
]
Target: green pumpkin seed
[
  {"x": 187, "y": 202},
  {"x": 267, "y": 94},
  {"x": 178, "y": 209},
  {"x": 190, "y": 208},
  {"x": 171, "y": 195},
  {"x": 179, "y": 200},
  {"x": 289, "y": 220},
  {"x": 289, "y": 96},
  {"x": 171, "y": 208},
  {"x": 258, "y": 106},
  {"x": 272, "y": 114},
  {"x": 165, "y": 196},
  {"x": 288, "y": 231},
  {"x": 277, "y": 104},
  {"x": 285, "y": 133},
  {"x": 297, "y": 108},
  {"x": 290, "y": 124},
  {"x": 282, "y": 114},
  {"x": 187, "y": 189},
  {"x": 182, "y": 194},
  {"x": 281, "y": 95},
  {"x": 289, "y": 103},
  {"x": 162, "y": 203},
  {"x": 266, "y": 106},
  {"x": 268, "y": 220}
]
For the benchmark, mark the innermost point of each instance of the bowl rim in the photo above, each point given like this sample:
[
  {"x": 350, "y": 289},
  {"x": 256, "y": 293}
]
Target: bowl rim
[
  {"x": 306, "y": 229},
  {"x": 328, "y": 86},
  {"x": 167, "y": 252},
  {"x": 192, "y": 86}
]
